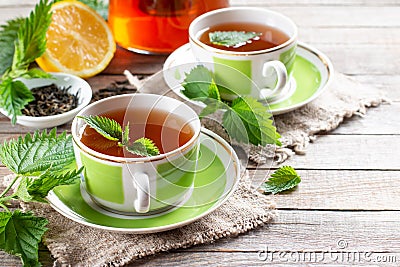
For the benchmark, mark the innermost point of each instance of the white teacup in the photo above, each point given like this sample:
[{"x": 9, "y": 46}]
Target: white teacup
[
  {"x": 142, "y": 185},
  {"x": 269, "y": 69}
]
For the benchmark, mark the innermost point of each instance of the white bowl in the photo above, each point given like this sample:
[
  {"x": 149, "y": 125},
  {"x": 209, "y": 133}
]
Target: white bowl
[{"x": 61, "y": 80}]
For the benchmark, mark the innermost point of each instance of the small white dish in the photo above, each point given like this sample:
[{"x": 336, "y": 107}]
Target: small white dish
[{"x": 61, "y": 80}]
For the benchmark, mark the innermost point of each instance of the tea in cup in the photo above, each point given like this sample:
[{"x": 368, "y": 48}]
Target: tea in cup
[
  {"x": 126, "y": 183},
  {"x": 258, "y": 42}
]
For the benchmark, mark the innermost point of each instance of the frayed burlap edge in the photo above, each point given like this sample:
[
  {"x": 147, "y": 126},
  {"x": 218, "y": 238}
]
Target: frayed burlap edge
[
  {"x": 342, "y": 99},
  {"x": 73, "y": 244}
]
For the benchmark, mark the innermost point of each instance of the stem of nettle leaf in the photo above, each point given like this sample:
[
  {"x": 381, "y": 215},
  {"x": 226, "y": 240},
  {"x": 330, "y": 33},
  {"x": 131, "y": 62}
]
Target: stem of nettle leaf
[
  {"x": 9, "y": 186},
  {"x": 4, "y": 207}
]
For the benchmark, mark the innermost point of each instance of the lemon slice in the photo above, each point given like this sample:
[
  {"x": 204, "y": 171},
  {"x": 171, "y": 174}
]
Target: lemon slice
[{"x": 79, "y": 41}]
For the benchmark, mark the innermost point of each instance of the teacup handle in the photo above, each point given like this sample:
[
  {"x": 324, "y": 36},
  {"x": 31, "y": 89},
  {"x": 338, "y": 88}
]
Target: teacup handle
[
  {"x": 142, "y": 202},
  {"x": 282, "y": 77}
]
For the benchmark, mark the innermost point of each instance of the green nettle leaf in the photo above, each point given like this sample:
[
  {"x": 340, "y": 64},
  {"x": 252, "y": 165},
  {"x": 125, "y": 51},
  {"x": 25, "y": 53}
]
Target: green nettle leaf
[
  {"x": 213, "y": 101},
  {"x": 257, "y": 121},
  {"x": 143, "y": 147},
  {"x": 8, "y": 36},
  {"x": 197, "y": 83},
  {"x": 39, "y": 187},
  {"x": 232, "y": 38},
  {"x": 22, "y": 190},
  {"x": 33, "y": 154},
  {"x": 212, "y": 106},
  {"x": 282, "y": 179},
  {"x": 31, "y": 42},
  {"x": 36, "y": 73},
  {"x": 112, "y": 130},
  {"x": 234, "y": 126},
  {"x": 14, "y": 96},
  {"x": 107, "y": 127},
  {"x": 213, "y": 91},
  {"x": 245, "y": 118},
  {"x": 20, "y": 234},
  {"x": 125, "y": 135}
]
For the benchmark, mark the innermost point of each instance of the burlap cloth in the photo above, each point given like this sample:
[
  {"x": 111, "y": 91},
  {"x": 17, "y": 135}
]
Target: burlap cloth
[{"x": 73, "y": 244}]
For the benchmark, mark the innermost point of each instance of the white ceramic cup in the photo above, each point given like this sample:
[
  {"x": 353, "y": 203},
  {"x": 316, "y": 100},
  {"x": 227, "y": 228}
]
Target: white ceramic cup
[
  {"x": 143, "y": 185},
  {"x": 269, "y": 69}
]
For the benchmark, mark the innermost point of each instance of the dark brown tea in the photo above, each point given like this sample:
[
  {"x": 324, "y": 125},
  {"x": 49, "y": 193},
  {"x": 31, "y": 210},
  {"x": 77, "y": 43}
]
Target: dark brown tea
[
  {"x": 270, "y": 37},
  {"x": 168, "y": 131}
]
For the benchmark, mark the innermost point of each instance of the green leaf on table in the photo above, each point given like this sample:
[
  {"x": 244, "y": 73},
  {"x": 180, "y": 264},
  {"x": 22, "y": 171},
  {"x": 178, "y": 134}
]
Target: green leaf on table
[
  {"x": 37, "y": 188},
  {"x": 197, "y": 83},
  {"x": 39, "y": 152},
  {"x": 256, "y": 119},
  {"x": 107, "y": 127},
  {"x": 213, "y": 100},
  {"x": 20, "y": 234},
  {"x": 8, "y": 37},
  {"x": 282, "y": 179},
  {"x": 232, "y": 38},
  {"x": 14, "y": 95},
  {"x": 143, "y": 147}
]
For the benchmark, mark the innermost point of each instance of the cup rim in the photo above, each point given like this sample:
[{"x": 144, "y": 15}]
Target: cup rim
[
  {"x": 196, "y": 41},
  {"x": 180, "y": 150}
]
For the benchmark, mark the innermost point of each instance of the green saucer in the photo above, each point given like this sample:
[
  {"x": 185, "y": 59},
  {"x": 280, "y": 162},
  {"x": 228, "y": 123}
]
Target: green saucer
[
  {"x": 216, "y": 180},
  {"x": 312, "y": 73}
]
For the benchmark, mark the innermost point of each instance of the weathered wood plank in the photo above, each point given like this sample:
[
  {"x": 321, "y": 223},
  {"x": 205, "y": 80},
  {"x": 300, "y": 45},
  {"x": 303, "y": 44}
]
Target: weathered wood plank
[
  {"x": 354, "y": 36},
  {"x": 354, "y": 59},
  {"x": 333, "y": 190},
  {"x": 346, "y": 16},
  {"x": 380, "y": 120},
  {"x": 302, "y": 231},
  {"x": 323, "y": 16},
  {"x": 339, "y": 190},
  {"x": 352, "y": 152},
  {"x": 44, "y": 258},
  {"x": 277, "y": 258},
  {"x": 387, "y": 83},
  {"x": 134, "y": 62},
  {"x": 362, "y": 59}
]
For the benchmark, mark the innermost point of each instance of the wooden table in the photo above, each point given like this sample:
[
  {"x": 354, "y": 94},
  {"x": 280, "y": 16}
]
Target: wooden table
[{"x": 349, "y": 199}]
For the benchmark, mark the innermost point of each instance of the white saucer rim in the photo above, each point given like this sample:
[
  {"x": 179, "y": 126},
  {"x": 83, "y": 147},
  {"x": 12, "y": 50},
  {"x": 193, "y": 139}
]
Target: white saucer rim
[{"x": 323, "y": 86}]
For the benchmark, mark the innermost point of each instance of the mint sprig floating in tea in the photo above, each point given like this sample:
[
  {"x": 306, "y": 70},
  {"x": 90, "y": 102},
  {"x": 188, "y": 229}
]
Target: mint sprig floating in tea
[
  {"x": 232, "y": 38},
  {"x": 282, "y": 179},
  {"x": 245, "y": 119},
  {"x": 41, "y": 162},
  {"x": 143, "y": 147},
  {"x": 29, "y": 38},
  {"x": 112, "y": 130}
]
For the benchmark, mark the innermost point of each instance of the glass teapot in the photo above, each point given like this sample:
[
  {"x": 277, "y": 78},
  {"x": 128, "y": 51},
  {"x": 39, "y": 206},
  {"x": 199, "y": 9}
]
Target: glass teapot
[{"x": 156, "y": 26}]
